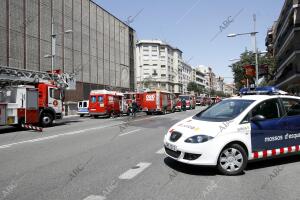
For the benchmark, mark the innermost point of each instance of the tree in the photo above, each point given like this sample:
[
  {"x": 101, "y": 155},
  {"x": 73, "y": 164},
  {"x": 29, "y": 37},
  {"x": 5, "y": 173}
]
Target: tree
[
  {"x": 248, "y": 58},
  {"x": 193, "y": 86},
  {"x": 198, "y": 89}
]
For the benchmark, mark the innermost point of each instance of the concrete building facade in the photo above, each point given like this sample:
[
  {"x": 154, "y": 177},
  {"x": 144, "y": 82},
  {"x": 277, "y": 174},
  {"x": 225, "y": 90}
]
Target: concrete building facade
[
  {"x": 100, "y": 49},
  {"x": 283, "y": 42},
  {"x": 159, "y": 66},
  {"x": 229, "y": 89},
  {"x": 219, "y": 84},
  {"x": 209, "y": 76},
  {"x": 199, "y": 77},
  {"x": 187, "y": 71}
]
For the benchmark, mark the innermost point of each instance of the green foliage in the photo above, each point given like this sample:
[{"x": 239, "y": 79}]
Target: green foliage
[
  {"x": 192, "y": 86},
  {"x": 248, "y": 58},
  {"x": 198, "y": 89}
]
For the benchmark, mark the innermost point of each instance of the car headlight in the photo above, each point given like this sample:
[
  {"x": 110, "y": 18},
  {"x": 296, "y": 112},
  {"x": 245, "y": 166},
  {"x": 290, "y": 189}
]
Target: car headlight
[{"x": 198, "y": 139}]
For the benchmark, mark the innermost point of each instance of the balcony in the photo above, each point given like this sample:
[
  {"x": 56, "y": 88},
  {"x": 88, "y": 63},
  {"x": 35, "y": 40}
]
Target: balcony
[
  {"x": 285, "y": 12},
  {"x": 285, "y": 54}
]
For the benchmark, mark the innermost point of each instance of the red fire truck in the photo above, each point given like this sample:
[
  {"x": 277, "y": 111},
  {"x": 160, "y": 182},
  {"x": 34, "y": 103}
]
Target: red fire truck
[
  {"x": 106, "y": 103},
  {"x": 31, "y": 97},
  {"x": 189, "y": 99},
  {"x": 158, "y": 102}
]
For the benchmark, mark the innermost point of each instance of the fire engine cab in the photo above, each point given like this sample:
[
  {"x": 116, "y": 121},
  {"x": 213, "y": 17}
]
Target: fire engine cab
[
  {"x": 31, "y": 97},
  {"x": 105, "y": 103},
  {"x": 158, "y": 102}
]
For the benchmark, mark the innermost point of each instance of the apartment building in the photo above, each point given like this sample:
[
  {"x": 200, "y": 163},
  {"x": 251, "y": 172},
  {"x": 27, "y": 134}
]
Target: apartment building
[
  {"x": 229, "y": 89},
  {"x": 209, "y": 76},
  {"x": 219, "y": 84},
  {"x": 283, "y": 42},
  {"x": 199, "y": 77},
  {"x": 159, "y": 66},
  {"x": 187, "y": 71}
]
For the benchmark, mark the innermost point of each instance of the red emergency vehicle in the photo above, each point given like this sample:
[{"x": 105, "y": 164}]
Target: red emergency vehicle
[
  {"x": 189, "y": 99},
  {"x": 158, "y": 102},
  {"x": 106, "y": 103},
  {"x": 129, "y": 97},
  {"x": 31, "y": 97}
]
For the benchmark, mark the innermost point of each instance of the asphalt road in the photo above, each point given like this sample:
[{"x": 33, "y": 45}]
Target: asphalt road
[{"x": 122, "y": 159}]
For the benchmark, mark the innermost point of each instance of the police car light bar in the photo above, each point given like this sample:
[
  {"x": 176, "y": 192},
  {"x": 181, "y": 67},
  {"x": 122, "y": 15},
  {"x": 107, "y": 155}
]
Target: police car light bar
[{"x": 268, "y": 90}]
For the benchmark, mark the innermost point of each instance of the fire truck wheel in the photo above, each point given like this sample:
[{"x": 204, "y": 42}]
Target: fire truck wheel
[
  {"x": 96, "y": 116},
  {"x": 46, "y": 119},
  {"x": 148, "y": 113}
]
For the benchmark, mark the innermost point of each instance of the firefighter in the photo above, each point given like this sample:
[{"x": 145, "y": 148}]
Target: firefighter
[
  {"x": 183, "y": 103},
  {"x": 134, "y": 108},
  {"x": 129, "y": 108}
]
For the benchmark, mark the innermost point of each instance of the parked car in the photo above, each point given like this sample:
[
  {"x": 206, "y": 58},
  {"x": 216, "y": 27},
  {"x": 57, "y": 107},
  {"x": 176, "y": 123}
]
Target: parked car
[{"x": 83, "y": 108}]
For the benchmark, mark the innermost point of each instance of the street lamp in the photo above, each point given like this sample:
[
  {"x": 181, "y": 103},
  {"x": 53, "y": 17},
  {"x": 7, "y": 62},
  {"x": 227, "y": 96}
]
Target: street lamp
[
  {"x": 53, "y": 43},
  {"x": 234, "y": 59},
  {"x": 253, "y": 35}
]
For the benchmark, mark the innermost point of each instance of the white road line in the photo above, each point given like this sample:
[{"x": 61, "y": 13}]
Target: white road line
[
  {"x": 134, "y": 171},
  {"x": 130, "y": 132},
  {"x": 69, "y": 133},
  {"x": 58, "y": 135},
  {"x": 94, "y": 197},
  {"x": 161, "y": 151}
]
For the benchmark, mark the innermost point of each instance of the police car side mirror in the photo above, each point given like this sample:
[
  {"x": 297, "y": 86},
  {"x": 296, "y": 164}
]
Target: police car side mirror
[{"x": 258, "y": 118}]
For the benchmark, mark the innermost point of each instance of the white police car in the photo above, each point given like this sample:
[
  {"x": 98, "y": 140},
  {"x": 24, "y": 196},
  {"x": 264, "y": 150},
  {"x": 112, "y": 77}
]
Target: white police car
[{"x": 236, "y": 130}]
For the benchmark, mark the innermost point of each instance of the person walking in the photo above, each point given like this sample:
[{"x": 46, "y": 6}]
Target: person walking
[
  {"x": 183, "y": 103},
  {"x": 134, "y": 108}
]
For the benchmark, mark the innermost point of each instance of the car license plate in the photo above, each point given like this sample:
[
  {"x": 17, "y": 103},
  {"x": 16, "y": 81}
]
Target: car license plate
[{"x": 171, "y": 146}]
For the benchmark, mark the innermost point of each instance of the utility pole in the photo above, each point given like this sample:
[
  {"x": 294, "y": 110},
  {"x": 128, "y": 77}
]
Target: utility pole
[{"x": 256, "y": 52}]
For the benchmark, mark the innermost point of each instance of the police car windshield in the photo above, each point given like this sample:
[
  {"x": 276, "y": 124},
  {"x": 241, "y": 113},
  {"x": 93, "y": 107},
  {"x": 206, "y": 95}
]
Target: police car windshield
[{"x": 224, "y": 111}]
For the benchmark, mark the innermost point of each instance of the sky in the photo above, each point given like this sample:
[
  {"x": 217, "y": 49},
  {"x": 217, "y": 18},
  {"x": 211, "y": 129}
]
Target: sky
[{"x": 194, "y": 26}]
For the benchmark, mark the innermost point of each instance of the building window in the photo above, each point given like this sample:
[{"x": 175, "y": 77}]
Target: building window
[{"x": 163, "y": 66}]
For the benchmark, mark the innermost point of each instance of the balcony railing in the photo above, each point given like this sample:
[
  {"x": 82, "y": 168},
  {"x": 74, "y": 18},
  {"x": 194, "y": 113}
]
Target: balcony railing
[
  {"x": 286, "y": 11},
  {"x": 284, "y": 36}
]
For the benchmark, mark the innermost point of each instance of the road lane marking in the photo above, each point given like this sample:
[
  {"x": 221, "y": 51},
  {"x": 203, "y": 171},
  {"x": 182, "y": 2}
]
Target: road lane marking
[
  {"x": 130, "y": 132},
  {"x": 134, "y": 171},
  {"x": 69, "y": 133},
  {"x": 161, "y": 151},
  {"x": 56, "y": 136},
  {"x": 94, "y": 197}
]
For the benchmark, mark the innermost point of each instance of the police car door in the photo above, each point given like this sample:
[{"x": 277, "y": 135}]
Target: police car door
[
  {"x": 267, "y": 133},
  {"x": 291, "y": 121}
]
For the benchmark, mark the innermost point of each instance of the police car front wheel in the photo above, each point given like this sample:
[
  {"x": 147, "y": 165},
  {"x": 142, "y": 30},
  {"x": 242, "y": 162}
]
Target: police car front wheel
[{"x": 232, "y": 160}]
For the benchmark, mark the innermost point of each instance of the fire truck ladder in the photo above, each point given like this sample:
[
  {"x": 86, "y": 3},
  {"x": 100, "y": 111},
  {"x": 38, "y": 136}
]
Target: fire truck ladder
[{"x": 14, "y": 76}]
